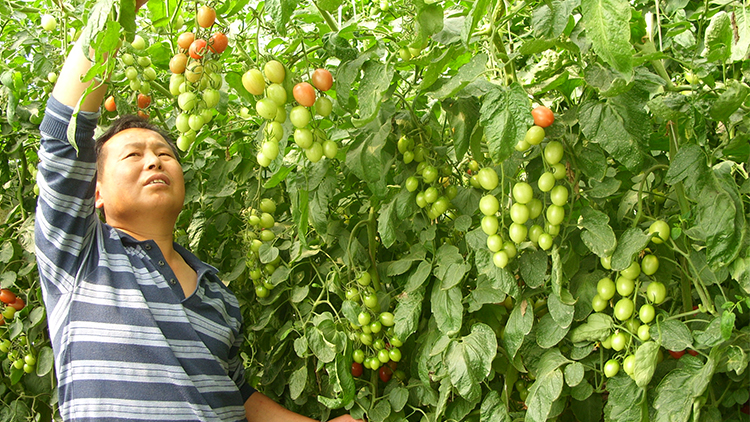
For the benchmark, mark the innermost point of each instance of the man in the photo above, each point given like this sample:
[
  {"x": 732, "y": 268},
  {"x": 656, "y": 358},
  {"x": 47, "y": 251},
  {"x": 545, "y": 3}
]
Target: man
[{"x": 141, "y": 328}]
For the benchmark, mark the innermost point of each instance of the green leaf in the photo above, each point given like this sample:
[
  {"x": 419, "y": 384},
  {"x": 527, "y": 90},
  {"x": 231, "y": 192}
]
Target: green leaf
[
  {"x": 367, "y": 158},
  {"x": 6, "y": 252},
  {"x": 582, "y": 391},
  {"x": 380, "y": 412},
  {"x": 624, "y": 395},
  {"x": 589, "y": 409},
  {"x": 684, "y": 164},
  {"x": 742, "y": 41},
  {"x": 505, "y": 116},
  {"x": 297, "y": 382},
  {"x": 574, "y": 374},
  {"x": 398, "y": 398},
  {"x": 418, "y": 277},
  {"x": 736, "y": 359},
  {"x": 374, "y": 84},
  {"x": 450, "y": 86},
  {"x": 447, "y": 309},
  {"x": 493, "y": 409},
  {"x": 450, "y": 266},
  {"x": 561, "y": 310},
  {"x": 429, "y": 22},
  {"x": 631, "y": 243},
  {"x": 596, "y": 232},
  {"x": 727, "y": 324},
  {"x": 45, "y": 361},
  {"x": 341, "y": 381},
  {"x": 520, "y": 322},
  {"x": 387, "y": 224},
  {"x": 469, "y": 360},
  {"x": 463, "y": 115},
  {"x": 711, "y": 336},
  {"x": 718, "y": 40},
  {"x": 280, "y": 11},
  {"x": 597, "y": 327},
  {"x": 407, "y": 313},
  {"x": 533, "y": 266},
  {"x": 672, "y": 399},
  {"x": 550, "y": 19},
  {"x": 549, "y": 333},
  {"x": 320, "y": 346},
  {"x": 545, "y": 390},
  {"x": 478, "y": 10},
  {"x": 646, "y": 358},
  {"x": 592, "y": 160},
  {"x": 126, "y": 18},
  {"x": 675, "y": 335},
  {"x": 488, "y": 290},
  {"x": 607, "y": 24},
  {"x": 611, "y": 128},
  {"x": 729, "y": 101}
]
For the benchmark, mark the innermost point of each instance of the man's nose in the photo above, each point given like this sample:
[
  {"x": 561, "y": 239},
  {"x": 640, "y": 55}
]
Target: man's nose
[{"x": 153, "y": 162}]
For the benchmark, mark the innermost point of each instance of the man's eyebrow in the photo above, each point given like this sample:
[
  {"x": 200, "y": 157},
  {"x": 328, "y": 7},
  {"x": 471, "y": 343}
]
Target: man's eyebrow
[{"x": 142, "y": 144}]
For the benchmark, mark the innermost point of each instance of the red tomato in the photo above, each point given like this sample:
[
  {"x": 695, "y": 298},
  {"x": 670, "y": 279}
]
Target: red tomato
[
  {"x": 385, "y": 373},
  {"x": 676, "y": 355},
  {"x": 197, "y": 49},
  {"x": 693, "y": 352},
  {"x": 143, "y": 101},
  {"x": 185, "y": 39},
  {"x": 543, "y": 116},
  {"x": 109, "y": 104},
  {"x": 206, "y": 16},
  {"x": 142, "y": 114},
  {"x": 322, "y": 79},
  {"x": 218, "y": 43},
  {"x": 357, "y": 369},
  {"x": 18, "y": 304},
  {"x": 304, "y": 93},
  {"x": 6, "y": 296}
]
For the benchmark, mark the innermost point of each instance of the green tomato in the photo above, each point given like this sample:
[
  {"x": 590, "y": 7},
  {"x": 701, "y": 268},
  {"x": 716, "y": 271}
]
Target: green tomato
[
  {"x": 365, "y": 339},
  {"x": 624, "y": 309},
  {"x": 510, "y": 249},
  {"x": 625, "y": 286},
  {"x": 546, "y": 182},
  {"x": 431, "y": 194},
  {"x": 519, "y": 213},
  {"x": 396, "y": 342},
  {"x": 534, "y": 232},
  {"x": 490, "y": 225},
  {"x": 421, "y": 201},
  {"x": 261, "y": 291},
  {"x": 649, "y": 264},
  {"x": 628, "y": 364},
  {"x": 606, "y": 262},
  {"x": 545, "y": 241},
  {"x": 611, "y": 368},
  {"x": 605, "y": 288},
  {"x": 386, "y": 318},
  {"x": 522, "y": 192},
  {"x": 656, "y": 292},
  {"x": 646, "y": 313},
  {"x": 299, "y": 116},
  {"x": 395, "y": 354},
  {"x": 558, "y": 170},
  {"x": 358, "y": 356},
  {"x": 266, "y": 109},
  {"x": 384, "y": 356},
  {"x": 555, "y": 214},
  {"x": 517, "y": 232},
  {"x": 535, "y": 209},
  {"x": 494, "y": 242},
  {"x": 644, "y": 332},
  {"x": 378, "y": 344},
  {"x": 632, "y": 272},
  {"x": 553, "y": 152},
  {"x": 412, "y": 183},
  {"x": 363, "y": 318},
  {"x": 330, "y": 149},
  {"x": 430, "y": 174},
  {"x": 370, "y": 300},
  {"x": 376, "y": 327},
  {"x": 364, "y": 279},
  {"x": 500, "y": 259},
  {"x": 534, "y": 135},
  {"x": 488, "y": 178},
  {"x": 598, "y": 304},
  {"x": 660, "y": 231},
  {"x": 619, "y": 341},
  {"x": 353, "y": 295},
  {"x": 559, "y": 195},
  {"x": 489, "y": 205}
]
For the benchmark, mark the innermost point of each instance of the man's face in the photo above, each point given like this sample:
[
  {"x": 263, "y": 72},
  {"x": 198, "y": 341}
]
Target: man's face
[{"x": 139, "y": 178}]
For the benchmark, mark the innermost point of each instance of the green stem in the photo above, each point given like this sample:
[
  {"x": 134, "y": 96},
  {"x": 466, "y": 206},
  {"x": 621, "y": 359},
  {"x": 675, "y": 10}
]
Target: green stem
[
  {"x": 639, "y": 213},
  {"x": 649, "y": 48},
  {"x": 327, "y": 17},
  {"x": 673, "y": 148},
  {"x": 372, "y": 231}
]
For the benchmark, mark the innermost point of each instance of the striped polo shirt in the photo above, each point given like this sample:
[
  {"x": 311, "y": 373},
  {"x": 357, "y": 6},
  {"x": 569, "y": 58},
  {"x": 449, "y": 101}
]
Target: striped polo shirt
[{"x": 128, "y": 344}]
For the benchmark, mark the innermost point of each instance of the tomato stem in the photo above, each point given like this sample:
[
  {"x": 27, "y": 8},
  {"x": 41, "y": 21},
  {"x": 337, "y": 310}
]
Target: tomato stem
[{"x": 373, "y": 247}]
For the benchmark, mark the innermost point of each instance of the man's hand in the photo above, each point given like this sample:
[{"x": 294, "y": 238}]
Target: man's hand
[{"x": 345, "y": 418}]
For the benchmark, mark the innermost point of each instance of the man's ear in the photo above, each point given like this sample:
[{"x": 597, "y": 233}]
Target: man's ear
[{"x": 99, "y": 201}]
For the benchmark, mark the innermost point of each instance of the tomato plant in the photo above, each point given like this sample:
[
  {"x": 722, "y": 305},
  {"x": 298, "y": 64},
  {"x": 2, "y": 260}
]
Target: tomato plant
[{"x": 464, "y": 205}]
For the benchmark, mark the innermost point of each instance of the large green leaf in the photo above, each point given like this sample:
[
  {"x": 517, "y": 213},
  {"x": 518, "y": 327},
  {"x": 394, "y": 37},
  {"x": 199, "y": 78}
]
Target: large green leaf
[
  {"x": 607, "y": 24},
  {"x": 519, "y": 324},
  {"x": 506, "y": 116},
  {"x": 597, "y": 234},
  {"x": 447, "y": 309},
  {"x": 608, "y": 126},
  {"x": 469, "y": 360},
  {"x": 622, "y": 403}
]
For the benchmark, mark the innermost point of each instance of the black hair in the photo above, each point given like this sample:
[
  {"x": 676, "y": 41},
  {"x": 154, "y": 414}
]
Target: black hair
[{"x": 131, "y": 121}]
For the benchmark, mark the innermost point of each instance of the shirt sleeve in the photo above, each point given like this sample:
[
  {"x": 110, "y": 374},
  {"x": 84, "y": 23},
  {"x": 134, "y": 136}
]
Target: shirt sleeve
[{"x": 65, "y": 217}]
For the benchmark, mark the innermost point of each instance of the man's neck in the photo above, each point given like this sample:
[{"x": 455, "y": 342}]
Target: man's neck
[{"x": 162, "y": 237}]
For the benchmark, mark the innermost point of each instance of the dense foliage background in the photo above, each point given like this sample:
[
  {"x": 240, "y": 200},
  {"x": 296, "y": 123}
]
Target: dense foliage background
[{"x": 384, "y": 223}]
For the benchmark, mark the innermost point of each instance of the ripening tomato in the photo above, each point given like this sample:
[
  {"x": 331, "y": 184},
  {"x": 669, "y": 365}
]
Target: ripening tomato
[
  {"x": 109, "y": 104},
  {"x": 206, "y": 16},
  {"x": 178, "y": 63},
  {"x": 143, "y": 101},
  {"x": 7, "y": 296},
  {"x": 254, "y": 82},
  {"x": 322, "y": 79},
  {"x": 185, "y": 39},
  {"x": 218, "y": 42},
  {"x": 676, "y": 354},
  {"x": 304, "y": 93},
  {"x": 357, "y": 369},
  {"x": 385, "y": 373},
  {"x": 17, "y": 304},
  {"x": 274, "y": 71},
  {"x": 197, "y": 49},
  {"x": 543, "y": 117}
]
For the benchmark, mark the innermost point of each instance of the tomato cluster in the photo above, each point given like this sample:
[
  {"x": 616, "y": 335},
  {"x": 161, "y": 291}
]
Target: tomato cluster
[
  {"x": 139, "y": 73},
  {"x": 631, "y": 283},
  {"x": 433, "y": 184},
  {"x": 535, "y": 214},
  {"x": 378, "y": 346},
  {"x": 17, "y": 351},
  {"x": 261, "y": 223},
  {"x": 196, "y": 77}
]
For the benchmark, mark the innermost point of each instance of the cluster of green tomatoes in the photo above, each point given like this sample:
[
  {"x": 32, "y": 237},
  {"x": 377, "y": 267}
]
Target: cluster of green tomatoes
[
  {"x": 378, "y": 346},
  {"x": 433, "y": 196},
  {"x": 526, "y": 207},
  {"x": 18, "y": 352},
  {"x": 624, "y": 293},
  {"x": 259, "y": 232}
]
